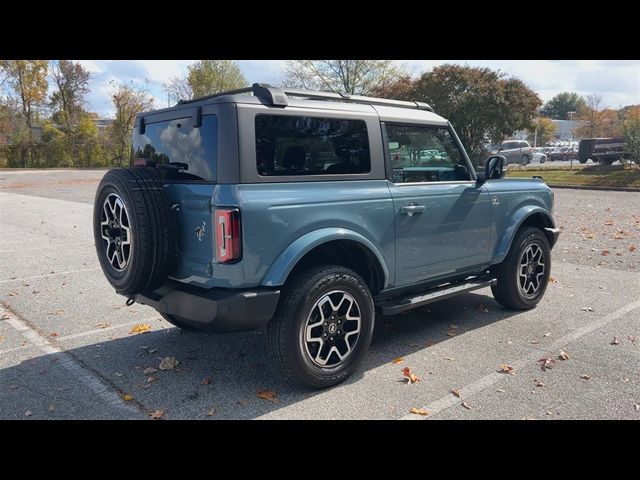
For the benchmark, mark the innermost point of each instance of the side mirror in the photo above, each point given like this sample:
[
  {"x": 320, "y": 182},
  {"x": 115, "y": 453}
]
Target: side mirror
[{"x": 493, "y": 168}]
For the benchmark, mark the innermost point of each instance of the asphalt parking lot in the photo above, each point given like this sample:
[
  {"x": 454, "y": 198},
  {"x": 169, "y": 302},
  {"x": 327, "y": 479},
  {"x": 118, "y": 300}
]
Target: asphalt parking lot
[{"x": 67, "y": 349}]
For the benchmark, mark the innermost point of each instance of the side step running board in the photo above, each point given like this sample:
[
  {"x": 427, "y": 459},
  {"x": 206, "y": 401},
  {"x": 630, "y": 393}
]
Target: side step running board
[{"x": 399, "y": 305}]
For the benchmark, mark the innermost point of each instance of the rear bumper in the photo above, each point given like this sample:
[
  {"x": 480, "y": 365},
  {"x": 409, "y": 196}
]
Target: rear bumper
[
  {"x": 552, "y": 234},
  {"x": 218, "y": 310}
]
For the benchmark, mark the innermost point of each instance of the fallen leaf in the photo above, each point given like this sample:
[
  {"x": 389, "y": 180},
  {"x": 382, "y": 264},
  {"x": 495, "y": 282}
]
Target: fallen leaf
[
  {"x": 552, "y": 280},
  {"x": 411, "y": 377},
  {"x": 456, "y": 393},
  {"x": 465, "y": 405},
  {"x": 429, "y": 343},
  {"x": 549, "y": 413},
  {"x": 51, "y": 408},
  {"x": 419, "y": 411},
  {"x": 534, "y": 342},
  {"x": 546, "y": 363},
  {"x": 60, "y": 311},
  {"x": 140, "y": 328},
  {"x": 615, "y": 341},
  {"x": 618, "y": 254},
  {"x": 53, "y": 334},
  {"x": 1, "y": 338},
  {"x": 28, "y": 413},
  {"x": 637, "y": 407},
  {"x": 482, "y": 308},
  {"x": 101, "y": 325},
  {"x": 563, "y": 355},
  {"x": 631, "y": 338},
  {"x": 127, "y": 397},
  {"x": 118, "y": 374},
  {"x": 157, "y": 414},
  {"x": 506, "y": 368},
  {"x": 149, "y": 371},
  {"x": 451, "y": 333},
  {"x": 617, "y": 236},
  {"x": 632, "y": 248},
  {"x": 604, "y": 253},
  {"x": 586, "y": 376},
  {"x": 13, "y": 294},
  {"x": 13, "y": 386},
  {"x": 448, "y": 358},
  {"x": 168, "y": 363},
  {"x": 539, "y": 383},
  {"x": 211, "y": 412},
  {"x": 453, "y": 327},
  {"x": 547, "y": 334},
  {"x": 397, "y": 360},
  {"x": 608, "y": 222},
  {"x": 587, "y": 309},
  {"x": 269, "y": 395},
  {"x": 205, "y": 381},
  {"x": 499, "y": 390},
  {"x": 151, "y": 379}
]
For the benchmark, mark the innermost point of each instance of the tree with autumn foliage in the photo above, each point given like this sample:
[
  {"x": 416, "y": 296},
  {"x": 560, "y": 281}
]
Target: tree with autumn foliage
[
  {"x": 482, "y": 104},
  {"x": 67, "y": 101},
  {"x": 631, "y": 131},
  {"x": 128, "y": 100},
  {"x": 546, "y": 132},
  {"x": 206, "y": 77}
]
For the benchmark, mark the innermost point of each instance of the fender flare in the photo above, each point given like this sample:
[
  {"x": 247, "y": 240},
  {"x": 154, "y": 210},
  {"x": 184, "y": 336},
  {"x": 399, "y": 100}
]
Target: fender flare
[
  {"x": 517, "y": 219},
  {"x": 290, "y": 256}
]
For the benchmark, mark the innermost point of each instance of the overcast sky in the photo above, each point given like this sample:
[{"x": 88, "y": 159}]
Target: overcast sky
[{"x": 618, "y": 81}]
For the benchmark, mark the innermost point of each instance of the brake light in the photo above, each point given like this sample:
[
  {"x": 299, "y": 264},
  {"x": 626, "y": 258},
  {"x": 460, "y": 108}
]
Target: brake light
[{"x": 228, "y": 235}]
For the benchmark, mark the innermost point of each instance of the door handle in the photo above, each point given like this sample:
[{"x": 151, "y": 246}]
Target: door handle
[{"x": 412, "y": 208}]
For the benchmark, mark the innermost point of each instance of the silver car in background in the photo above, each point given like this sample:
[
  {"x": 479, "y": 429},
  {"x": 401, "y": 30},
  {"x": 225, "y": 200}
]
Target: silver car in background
[{"x": 516, "y": 151}]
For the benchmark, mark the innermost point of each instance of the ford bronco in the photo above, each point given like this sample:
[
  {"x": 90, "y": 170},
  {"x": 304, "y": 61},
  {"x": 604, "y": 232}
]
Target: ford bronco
[{"x": 308, "y": 213}]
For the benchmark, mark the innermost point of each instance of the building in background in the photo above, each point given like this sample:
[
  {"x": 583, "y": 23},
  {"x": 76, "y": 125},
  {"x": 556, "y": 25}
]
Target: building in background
[{"x": 565, "y": 129}]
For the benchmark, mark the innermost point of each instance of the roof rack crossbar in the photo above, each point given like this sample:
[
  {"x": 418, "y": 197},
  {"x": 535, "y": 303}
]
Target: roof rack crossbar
[{"x": 278, "y": 97}]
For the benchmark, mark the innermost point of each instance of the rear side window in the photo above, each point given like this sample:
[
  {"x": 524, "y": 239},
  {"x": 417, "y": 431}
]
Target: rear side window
[
  {"x": 177, "y": 141},
  {"x": 300, "y": 145}
]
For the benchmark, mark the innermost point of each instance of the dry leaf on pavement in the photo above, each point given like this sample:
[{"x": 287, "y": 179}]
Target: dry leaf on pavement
[
  {"x": 211, "y": 412},
  {"x": 149, "y": 371},
  {"x": 419, "y": 411},
  {"x": 546, "y": 363},
  {"x": 563, "y": 355},
  {"x": 53, "y": 334},
  {"x": 157, "y": 414},
  {"x": 539, "y": 383},
  {"x": 101, "y": 325},
  {"x": 451, "y": 333},
  {"x": 552, "y": 280},
  {"x": 127, "y": 397},
  {"x": 632, "y": 338},
  {"x": 28, "y": 413},
  {"x": 605, "y": 253},
  {"x": 481, "y": 307},
  {"x": 140, "y": 328},
  {"x": 51, "y": 408},
  {"x": 465, "y": 405},
  {"x": 269, "y": 395},
  {"x": 587, "y": 309},
  {"x": 398, "y": 360},
  {"x": 586, "y": 376},
  {"x": 637, "y": 407},
  {"x": 410, "y": 376},
  {"x": 456, "y": 393},
  {"x": 168, "y": 363},
  {"x": 205, "y": 381},
  {"x": 615, "y": 341},
  {"x": 632, "y": 248},
  {"x": 506, "y": 368}
]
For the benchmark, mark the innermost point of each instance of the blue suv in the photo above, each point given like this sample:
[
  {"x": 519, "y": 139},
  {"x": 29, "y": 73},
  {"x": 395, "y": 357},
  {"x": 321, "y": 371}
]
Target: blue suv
[{"x": 308, "y": 213}]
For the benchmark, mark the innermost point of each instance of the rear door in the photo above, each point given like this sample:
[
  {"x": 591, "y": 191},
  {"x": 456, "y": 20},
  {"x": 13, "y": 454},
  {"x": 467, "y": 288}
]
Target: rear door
[
  {"x": 442, "y": 219},
  {"x": 509, "y": 150},
  {"x": 184, "y": 150}
]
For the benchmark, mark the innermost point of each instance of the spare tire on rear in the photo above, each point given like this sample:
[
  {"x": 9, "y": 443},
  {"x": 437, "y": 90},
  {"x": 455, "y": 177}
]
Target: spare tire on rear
[{"x": 133, "y": 234}]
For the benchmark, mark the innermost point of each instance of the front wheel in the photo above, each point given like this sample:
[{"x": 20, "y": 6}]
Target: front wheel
[
  {"x": 323, "y": 326},
  {"x": 524, "y": 273}
]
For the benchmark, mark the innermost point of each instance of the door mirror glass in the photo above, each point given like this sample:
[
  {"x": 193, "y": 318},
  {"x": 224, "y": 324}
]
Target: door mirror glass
[{"x": 494, "y": 167}]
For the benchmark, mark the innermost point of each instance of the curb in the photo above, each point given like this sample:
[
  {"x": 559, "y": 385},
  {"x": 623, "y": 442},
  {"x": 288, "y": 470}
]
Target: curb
[{"x": 591, "y": 187}]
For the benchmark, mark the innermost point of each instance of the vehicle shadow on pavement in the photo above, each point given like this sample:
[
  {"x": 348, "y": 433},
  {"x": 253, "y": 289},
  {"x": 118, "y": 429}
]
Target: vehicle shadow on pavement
[{"x": 221, "y": 374}]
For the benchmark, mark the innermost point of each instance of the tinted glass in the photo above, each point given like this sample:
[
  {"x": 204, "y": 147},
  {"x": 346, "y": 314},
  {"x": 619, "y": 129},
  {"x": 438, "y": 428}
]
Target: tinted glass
[
  {"x": 509, "y": 145},
  {"x": 425, "y": 154},
  {"x": 176, "y": 141},
  {"x": 297, "y": 145}
]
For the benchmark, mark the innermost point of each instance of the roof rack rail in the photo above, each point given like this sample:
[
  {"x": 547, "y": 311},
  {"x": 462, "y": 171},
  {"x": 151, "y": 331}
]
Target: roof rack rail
[{"x": 278, "y": 97}]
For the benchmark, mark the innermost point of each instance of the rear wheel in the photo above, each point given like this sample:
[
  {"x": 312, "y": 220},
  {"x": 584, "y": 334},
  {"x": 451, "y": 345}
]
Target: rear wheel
[
  {"x": 323, "y": 326},
  {"x": 524, "y": 273},
  {"x": 524, "y": 161}
]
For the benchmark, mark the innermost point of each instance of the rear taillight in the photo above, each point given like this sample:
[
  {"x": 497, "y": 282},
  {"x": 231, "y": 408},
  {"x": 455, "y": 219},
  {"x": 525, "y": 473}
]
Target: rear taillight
[{"x": 228, "y": 235}]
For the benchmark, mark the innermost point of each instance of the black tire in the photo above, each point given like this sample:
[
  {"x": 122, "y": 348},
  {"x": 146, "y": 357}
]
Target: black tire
[
  {"x": 582, "y": 160},
  {"x": 508, "y": 291},
  {"x": 181, "y": 323},
  {"x": 297, "y": 304},
  {"x": 524, "y": 161},
  {"x": 151, "y": 248}
]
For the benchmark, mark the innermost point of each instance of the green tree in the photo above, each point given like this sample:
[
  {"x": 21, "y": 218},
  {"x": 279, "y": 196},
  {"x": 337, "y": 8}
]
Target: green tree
[
  {"x": 631, "y": 132},
  {"x": 546, "y": 132},
  {"x": 28, "y": 80},
  {"x": 481, "y": 103},
  {"x": 128, "y": 100},
  {"x": 558, "y": 107},
  {"x": 355, "y": 77},
  {"x": 67, "y": 102},
  {"x": 207, "y": 77}
]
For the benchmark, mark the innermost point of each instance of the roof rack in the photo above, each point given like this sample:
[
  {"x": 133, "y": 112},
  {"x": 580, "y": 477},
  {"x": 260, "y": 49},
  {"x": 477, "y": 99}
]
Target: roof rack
[{"x": 278, "y": 97}]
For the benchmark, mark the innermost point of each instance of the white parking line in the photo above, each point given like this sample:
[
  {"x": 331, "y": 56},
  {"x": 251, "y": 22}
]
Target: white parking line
[
  {"x": 68, "y": 272},
  {"x": 82, "y": 374},
  {"x": 479, "y": 385},
  {"x": 107, "y": 329}
]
